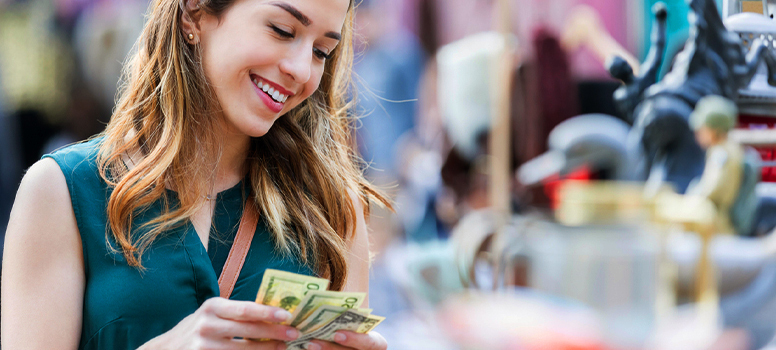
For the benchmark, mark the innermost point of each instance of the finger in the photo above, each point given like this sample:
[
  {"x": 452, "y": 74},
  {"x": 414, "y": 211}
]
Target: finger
[
  {"x": 368, "y": 341},
  {"x": 245, "y": 311},
  {"x": 324, "y": 345},
  {"x": 228, "y": 329},
  {"x": 241, "y": 344}
]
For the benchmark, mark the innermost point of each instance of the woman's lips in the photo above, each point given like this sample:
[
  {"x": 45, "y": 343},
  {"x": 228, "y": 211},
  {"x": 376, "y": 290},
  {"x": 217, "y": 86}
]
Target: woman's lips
[{"x": 273, "y": 105}]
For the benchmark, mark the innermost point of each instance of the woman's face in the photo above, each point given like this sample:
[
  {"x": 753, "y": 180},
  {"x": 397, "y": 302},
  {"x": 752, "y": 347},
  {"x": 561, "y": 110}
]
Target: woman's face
[{"x": 264, "y": 57}]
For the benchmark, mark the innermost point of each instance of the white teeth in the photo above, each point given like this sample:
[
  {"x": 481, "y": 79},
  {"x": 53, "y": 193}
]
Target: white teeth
[{"x": 276, "y": 95}]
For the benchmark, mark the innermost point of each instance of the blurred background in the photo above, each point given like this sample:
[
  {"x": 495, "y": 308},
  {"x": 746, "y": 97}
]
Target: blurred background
[{"x": 559, "y": 253}]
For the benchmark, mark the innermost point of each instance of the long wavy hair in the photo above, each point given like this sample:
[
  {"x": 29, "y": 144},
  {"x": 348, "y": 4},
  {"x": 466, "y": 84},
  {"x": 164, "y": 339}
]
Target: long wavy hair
[{"x": 302, "y": 174}]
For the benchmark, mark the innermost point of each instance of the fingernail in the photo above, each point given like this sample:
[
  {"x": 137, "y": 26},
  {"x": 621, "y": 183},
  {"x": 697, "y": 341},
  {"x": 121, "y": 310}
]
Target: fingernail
[
  {"x": 292, "y": 333},
  {"x": 313, "y": 346},
  {"x": 282, "y": 315},
  {"x": 339, "y": 337},
  {"x": 281, "y": 346}
]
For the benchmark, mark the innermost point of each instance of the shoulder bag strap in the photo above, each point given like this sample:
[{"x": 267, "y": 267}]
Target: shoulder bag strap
[{"x": 242, "y": 242}]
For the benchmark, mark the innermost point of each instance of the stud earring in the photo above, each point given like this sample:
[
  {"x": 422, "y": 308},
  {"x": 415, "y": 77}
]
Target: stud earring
[{"x": 191, "y": 36}]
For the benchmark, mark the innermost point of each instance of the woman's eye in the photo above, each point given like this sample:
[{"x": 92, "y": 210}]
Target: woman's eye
[
  {"x": 321, "y": 55},
  {"x": 282, "y": 32}
]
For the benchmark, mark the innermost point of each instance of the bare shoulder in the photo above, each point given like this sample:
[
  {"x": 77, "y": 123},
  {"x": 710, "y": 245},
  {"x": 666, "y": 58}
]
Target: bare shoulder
[
  {"x": 42, "y": 216},
  {"x": 42, "y": 213},
  {"x": 43, "y": 268},
  {"x": 43, "y": 197},
  {"x": 44, "y": 178}
]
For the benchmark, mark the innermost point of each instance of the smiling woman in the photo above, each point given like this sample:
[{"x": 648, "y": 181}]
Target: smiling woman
[
  {"x": 229, "y": 106},
  {"x": 273, "y": 43}
]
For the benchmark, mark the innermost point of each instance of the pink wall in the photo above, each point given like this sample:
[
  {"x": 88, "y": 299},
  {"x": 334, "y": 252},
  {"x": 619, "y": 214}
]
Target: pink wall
[{"x": 459, "y": 18}]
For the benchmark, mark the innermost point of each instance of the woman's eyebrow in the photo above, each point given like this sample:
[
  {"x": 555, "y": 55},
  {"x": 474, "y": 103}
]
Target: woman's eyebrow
[
  {"x": 333, "y": 35},
  {"x": 302, "y": 18},
  {"x": 294, "y": 12}
]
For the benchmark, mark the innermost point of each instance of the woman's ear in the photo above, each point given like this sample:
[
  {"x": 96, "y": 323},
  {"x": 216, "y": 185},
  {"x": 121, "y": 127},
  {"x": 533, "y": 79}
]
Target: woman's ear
[{"x": 190, "y": 21}]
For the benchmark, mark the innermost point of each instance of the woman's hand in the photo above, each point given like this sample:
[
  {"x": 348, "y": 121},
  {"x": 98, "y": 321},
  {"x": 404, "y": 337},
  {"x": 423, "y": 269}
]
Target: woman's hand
[
  {"x": 345, "y": 340},
  {"x": 217, "y": 323}
]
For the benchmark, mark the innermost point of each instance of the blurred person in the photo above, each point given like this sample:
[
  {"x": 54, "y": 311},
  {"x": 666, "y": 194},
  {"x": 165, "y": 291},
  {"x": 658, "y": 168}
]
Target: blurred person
[
  {"x": 102, "y": 37},
  {"x": 389, "y": 65},
  {"x": 85, "y": 117},
  {"x": 36, "y": 64},
  {"x": 35, "y": 60},
  {"x": 228, "y": 107}
]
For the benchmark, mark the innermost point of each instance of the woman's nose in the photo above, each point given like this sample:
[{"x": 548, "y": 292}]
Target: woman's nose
[{"x": 297, "y": 64}]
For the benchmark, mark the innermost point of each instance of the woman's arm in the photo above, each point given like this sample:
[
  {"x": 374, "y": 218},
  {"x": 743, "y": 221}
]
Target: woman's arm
[
  {"x": 358, "y": 254},
  {"x": 43, "y": 267},
  {"x": 357, "y": 281}
]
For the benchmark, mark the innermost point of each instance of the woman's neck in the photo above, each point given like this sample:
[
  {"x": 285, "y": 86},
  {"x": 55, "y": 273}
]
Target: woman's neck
[{"x": 230, "y": 167}]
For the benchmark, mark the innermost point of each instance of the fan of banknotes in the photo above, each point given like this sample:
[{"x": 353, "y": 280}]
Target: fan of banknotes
[{"x": 316, "y": 312}]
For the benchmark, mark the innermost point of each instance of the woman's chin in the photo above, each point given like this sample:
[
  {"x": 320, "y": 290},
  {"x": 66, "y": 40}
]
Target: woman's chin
[
  {"x": 250, "y": 124},
  {"x": 260, "y": 129}
]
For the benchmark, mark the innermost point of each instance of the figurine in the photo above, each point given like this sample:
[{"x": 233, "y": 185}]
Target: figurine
[{"x": 722, "y": 176}]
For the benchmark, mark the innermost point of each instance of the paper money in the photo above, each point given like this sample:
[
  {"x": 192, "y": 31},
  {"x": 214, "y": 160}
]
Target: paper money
[
  {"x": 316, "y": 312},
  {"x": 349, "y": 320},
  {"x": 315, "y": 299},
  {"x": 286, "y": 290},
  {"x": 323, "y": 314}
]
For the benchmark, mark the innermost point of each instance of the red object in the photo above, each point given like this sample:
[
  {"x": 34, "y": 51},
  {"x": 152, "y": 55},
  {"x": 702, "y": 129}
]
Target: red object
[
  {"x": 766, "y": 153},
  {"x": 552, "y": 183}
]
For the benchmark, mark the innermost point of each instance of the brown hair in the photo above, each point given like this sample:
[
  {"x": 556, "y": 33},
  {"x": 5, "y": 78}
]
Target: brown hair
[{"x": 166, "y": 114}]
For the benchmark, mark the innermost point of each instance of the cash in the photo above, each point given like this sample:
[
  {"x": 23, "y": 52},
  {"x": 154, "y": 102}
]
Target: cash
[
  {"x": 316, "y": 299},
  {"x": 349, "y": 320},
  {"x": 286, "y": 290},
  {"x": 323, "y": 315},
  {"x": 316, "y": 312}
]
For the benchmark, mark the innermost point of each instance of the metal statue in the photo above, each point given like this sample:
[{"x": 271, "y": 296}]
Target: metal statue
[{"x": 713, "y": 62}]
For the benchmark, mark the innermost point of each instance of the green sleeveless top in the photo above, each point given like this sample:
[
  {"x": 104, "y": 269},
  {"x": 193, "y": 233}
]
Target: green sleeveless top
[{"x": 125, "y": 307}]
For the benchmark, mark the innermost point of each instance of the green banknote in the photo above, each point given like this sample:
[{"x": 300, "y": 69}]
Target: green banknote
[
  {"x": 350, "y": 320},
  {"x": 286, "y": 290},
  {"x": 314, "y": 299},
  {"x": 323, "y": 314}
]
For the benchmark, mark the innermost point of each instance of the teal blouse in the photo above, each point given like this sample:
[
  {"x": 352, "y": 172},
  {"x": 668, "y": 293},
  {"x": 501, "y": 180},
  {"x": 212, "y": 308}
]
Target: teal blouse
[{"x": 125, "y": 307}]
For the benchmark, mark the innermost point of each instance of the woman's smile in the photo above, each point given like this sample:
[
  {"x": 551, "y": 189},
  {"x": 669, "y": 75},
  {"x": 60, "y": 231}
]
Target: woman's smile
[{"x": 273, "y": 95}]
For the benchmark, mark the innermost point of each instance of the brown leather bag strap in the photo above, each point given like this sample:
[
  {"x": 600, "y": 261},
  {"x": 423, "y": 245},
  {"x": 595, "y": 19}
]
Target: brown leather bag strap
[{"x": 242, "y": 242}]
